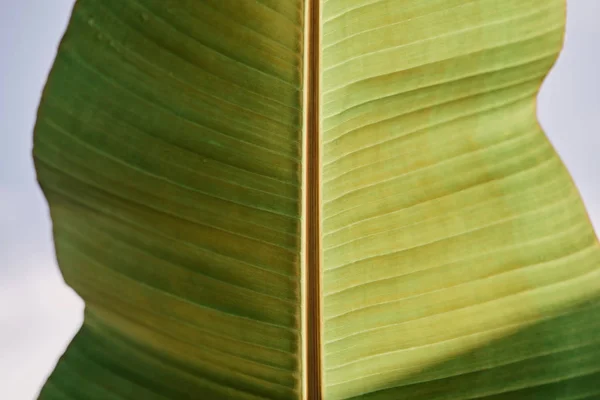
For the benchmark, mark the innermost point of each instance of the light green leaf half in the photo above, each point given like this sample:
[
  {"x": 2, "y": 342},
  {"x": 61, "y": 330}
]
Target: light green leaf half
[
  {"x": 458, "y": 261},
  {"x": 456, "y": 247}
]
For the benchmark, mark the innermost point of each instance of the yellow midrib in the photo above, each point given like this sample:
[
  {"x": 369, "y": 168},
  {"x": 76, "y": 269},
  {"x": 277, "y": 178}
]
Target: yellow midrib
[{"x": 312, "y": 187}]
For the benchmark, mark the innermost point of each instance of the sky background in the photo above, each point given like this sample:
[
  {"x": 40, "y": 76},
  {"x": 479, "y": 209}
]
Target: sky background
[{"x": 39, "y": 314}]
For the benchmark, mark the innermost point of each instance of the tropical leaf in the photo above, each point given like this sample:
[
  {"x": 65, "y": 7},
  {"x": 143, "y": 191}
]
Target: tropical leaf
[{"x": 285, "y": 199}]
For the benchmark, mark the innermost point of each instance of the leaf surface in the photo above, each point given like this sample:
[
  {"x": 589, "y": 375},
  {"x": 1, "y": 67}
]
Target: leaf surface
[{"x": 456, "y": 257}]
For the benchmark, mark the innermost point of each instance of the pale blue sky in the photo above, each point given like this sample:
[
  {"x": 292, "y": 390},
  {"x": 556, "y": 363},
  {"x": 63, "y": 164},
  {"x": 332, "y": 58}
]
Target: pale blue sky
[{"x": 39, "y": 314}]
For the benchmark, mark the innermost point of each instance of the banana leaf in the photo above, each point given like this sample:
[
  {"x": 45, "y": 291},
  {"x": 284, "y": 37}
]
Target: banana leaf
[{"x": 338, "y": 199}]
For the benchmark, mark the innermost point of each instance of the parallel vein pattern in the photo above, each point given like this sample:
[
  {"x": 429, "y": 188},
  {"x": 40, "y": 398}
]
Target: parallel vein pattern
[
  {"x": 168, "y": 144},
  {"x": 458, "y": 259}
]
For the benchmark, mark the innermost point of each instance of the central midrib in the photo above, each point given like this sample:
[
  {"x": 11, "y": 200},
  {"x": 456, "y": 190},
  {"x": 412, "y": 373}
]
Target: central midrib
[{"x": 313, "y": 229}]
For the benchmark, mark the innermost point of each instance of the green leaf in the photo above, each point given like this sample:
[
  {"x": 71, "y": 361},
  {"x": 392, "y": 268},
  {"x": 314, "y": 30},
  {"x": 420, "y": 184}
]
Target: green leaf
[{"x": 173, "y": 144}]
